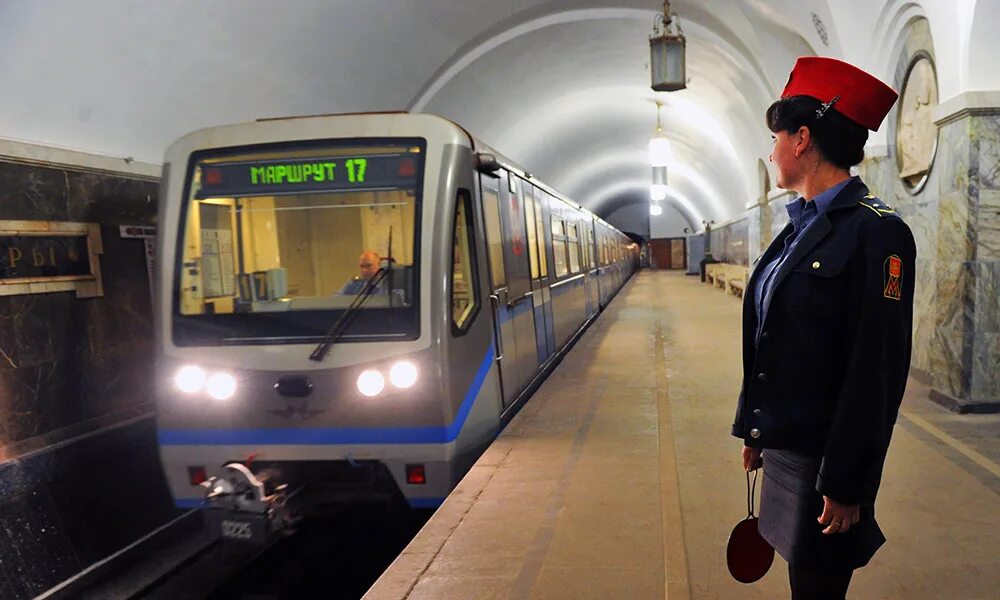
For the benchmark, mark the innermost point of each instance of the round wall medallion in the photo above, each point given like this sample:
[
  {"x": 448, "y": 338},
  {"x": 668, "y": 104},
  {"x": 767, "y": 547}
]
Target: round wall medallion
[{"x": 916, "y": 133}]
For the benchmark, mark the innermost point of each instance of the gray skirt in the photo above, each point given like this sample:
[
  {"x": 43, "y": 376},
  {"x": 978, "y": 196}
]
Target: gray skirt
[{"x": 789, "y": 507}]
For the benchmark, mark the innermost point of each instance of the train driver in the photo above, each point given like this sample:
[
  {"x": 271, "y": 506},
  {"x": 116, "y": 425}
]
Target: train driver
[{"x": 368, "y": 264}]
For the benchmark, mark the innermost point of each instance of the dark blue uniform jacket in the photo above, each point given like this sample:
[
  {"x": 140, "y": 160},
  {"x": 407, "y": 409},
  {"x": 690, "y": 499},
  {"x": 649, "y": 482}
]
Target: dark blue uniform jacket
[{"x": 826, "y": 375}]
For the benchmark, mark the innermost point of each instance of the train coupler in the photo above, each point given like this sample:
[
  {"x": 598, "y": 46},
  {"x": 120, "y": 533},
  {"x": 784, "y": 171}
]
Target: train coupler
[{"x": 238, "y": 508}]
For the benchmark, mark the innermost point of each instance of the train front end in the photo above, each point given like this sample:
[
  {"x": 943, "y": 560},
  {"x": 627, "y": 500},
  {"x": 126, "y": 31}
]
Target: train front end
[{"x": 296, "y": 322}]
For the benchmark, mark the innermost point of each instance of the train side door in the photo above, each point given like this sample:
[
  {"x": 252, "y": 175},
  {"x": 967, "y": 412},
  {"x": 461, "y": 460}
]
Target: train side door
[
  {"x": 518, "y": 301},
  {"x": 534, "y": 200},
  {"x": 505, "y": 351},
  {"x": 589, "y": 265}
]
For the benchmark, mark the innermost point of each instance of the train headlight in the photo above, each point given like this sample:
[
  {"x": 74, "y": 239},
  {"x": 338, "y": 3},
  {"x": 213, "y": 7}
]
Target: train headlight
[
  {"x": 190, "y": 379},
  {"x": 221, "y": 386},
  {"x": 403, "y": 374},
  {"x": 371, "y": 383}
]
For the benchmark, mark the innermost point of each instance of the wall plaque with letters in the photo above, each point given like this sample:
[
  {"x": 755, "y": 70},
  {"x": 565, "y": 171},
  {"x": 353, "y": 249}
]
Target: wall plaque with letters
[{"x": 38, "y": 257}]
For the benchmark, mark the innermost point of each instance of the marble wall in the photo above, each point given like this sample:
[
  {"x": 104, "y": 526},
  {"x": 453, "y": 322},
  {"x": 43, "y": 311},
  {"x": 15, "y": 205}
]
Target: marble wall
[
  {"x": 71, "y": 365},
  {"x": 955, "y": 219},
  {"x": 730, "y": 242},
  {"x": 920, "y": 211}
]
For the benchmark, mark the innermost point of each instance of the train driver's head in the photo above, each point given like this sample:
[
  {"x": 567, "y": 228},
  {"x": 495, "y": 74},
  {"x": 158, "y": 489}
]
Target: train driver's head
[{"x": 368, "y": 263}]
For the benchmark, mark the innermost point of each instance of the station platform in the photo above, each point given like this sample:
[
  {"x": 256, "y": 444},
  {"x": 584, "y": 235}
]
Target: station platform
[{"x": 619, "y": 478}]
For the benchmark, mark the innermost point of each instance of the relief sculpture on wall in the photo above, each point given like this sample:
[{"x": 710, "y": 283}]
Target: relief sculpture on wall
[{"x": 916, "y": 133}]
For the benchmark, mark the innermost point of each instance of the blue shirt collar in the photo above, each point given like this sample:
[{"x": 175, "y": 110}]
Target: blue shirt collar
[{"x": 798, "y": 207}]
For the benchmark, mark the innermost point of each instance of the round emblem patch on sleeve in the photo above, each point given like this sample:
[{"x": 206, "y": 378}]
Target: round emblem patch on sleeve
[{"x": 893, "y": 269}]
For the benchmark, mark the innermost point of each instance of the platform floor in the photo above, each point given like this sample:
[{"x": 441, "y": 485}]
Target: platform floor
[{"x": 619, "y": 478}]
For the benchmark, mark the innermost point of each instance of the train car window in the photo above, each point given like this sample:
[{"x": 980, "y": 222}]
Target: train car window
[
  {"x": 543, "y": 261},
  {"x": 494, "y": 236},
  {"x": 559, "y": 246},
  {"x": 464, "y": 290},
  {"x": 573, "y": 239},
  {"x": 279, "y": 240},
  {"x": 529, "y": 215}
]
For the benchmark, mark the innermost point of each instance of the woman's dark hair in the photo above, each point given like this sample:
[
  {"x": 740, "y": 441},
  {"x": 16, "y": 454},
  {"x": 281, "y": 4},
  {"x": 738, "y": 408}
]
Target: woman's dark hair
[{"x": 840, "y": 140}]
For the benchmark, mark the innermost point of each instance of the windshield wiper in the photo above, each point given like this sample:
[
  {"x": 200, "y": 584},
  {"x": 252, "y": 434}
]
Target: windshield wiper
[{"x": 340, "y": 326}]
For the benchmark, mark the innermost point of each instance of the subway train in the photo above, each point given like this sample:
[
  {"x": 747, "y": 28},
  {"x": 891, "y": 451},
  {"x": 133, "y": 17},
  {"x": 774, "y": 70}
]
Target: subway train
[{"x": 354, "y": 305}]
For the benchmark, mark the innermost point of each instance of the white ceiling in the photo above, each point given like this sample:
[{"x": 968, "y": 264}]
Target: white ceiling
[{"x": 560, "y": 86}]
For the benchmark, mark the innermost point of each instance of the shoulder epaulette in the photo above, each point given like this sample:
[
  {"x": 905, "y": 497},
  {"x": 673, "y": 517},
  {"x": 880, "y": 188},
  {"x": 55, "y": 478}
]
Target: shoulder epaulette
[{"x": 876, "y": 206}]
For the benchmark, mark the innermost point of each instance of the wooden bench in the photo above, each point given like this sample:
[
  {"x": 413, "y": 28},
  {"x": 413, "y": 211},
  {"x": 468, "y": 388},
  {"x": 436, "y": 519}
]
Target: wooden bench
[
  {"x": 711, "y": 271},
  {"x": 731, "y": 278},
  {"x": 736, "y": 279}
]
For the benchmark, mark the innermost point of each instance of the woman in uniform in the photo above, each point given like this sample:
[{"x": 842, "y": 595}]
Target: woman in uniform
[{"x": 826, "y": 333}]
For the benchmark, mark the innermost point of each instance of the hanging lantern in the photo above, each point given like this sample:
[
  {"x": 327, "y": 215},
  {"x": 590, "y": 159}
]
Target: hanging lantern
[{"x": 666, "y": 53}]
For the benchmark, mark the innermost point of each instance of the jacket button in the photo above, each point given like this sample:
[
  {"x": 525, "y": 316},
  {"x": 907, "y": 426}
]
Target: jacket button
[
  {"x": 816, "y": 265},
  {"x": 766, "y": 335},
  {"x": 755, "y": 433},
  {"x": 762, "y": 376},
  {"x": 756, "y": 411}
]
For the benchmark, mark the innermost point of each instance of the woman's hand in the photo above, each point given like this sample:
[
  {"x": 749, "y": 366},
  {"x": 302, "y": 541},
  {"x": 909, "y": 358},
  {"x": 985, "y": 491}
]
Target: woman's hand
[
  {"x": 751, "y": 459},
  {"x": 838, "y": 517}
]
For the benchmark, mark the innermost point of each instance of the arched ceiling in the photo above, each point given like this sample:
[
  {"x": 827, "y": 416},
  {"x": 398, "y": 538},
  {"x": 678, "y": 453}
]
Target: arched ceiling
[{"x": 560, "y": 86}]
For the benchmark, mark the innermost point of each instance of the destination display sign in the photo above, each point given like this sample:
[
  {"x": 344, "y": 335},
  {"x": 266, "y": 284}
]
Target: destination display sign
[{"x": 254, "y": 178}]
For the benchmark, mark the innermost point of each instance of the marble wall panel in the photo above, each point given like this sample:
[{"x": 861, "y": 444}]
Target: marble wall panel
[
  {"x": 67, "y": 361},
  {"x": 754, "y": 234},
  {"x": 987, "y": 297},
  {"x": 738, "y": 249},
  {"x": 779, "y": 216},
  {"x": 954, "y": 312},
  {"x": 953, "y": 157},
  {"x": 949, "y": 355},
  {"x": 985, "y": 131},
  {"x": 955, "y": 240},
  {"x": 717, "y": 242},
  {"x": 988, "y": 225},
  {"x": 920, "y": 211},
  {"x": 924, "y": 320},
  {"x": 985, "y": 382}
]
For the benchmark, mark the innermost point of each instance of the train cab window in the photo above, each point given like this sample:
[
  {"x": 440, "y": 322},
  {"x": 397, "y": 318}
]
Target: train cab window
[
  {"x": 494, "y": 236},
  {"x": 559, "y": 246},
  {"x": 529, "y": 215},
  {"x": 573, "y": 246},
  {"x": 277, "y": 242},
  {"x": 464, "y": 297}
]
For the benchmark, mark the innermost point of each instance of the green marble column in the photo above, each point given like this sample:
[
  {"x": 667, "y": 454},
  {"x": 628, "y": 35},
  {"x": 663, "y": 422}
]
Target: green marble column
[{"x": 964, "y": 355}]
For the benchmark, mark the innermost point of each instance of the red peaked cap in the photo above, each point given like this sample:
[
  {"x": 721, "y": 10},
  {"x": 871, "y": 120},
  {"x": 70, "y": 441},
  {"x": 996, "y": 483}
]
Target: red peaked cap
[{"x": 863, "y": 98}]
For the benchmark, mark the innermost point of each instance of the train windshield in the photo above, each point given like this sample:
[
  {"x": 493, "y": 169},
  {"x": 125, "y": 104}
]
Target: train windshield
[{"x": 277, "y": 242}]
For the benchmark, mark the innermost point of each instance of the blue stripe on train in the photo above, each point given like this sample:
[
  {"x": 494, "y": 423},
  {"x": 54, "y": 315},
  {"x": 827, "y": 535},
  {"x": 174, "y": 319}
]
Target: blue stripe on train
[
  {"x": 438, "y": 434},
  {"x": 425, "y": 502}
]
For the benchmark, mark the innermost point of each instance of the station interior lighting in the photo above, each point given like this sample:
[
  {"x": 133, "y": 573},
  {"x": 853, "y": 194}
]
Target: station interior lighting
[
  {"x": 659, "y": 150},
  {"x": 667, "y": 47},
  {"x": 657, "y": 192},
  {"x": 655, "y": 210},
  {"x": 659, "y": 145}
]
